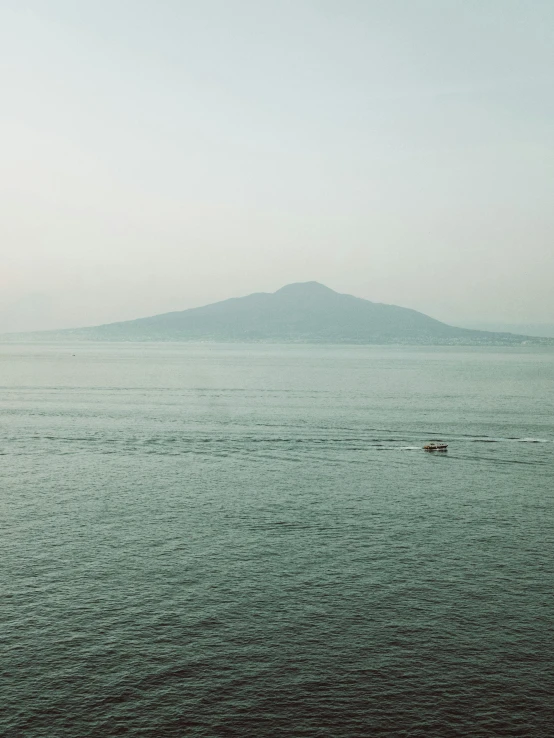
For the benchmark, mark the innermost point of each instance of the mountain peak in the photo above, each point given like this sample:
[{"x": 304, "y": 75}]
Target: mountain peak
[{"x": 305, "y": 288}]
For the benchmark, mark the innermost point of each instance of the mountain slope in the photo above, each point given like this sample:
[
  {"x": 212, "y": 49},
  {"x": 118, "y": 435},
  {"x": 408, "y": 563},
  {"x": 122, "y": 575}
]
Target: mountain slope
[{"x": 303, "y": 312}]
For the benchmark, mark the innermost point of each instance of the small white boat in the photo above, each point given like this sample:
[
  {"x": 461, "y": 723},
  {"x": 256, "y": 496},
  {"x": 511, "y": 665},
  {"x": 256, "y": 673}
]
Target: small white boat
[{"x": 435, "y": 446}]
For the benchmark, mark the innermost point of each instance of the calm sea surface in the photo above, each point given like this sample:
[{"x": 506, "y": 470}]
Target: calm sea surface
[{"x": 203, "y": 540}]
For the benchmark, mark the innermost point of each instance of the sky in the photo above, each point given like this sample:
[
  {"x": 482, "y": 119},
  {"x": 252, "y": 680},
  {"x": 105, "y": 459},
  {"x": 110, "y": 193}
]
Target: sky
[{"x": 157, "y": 155}]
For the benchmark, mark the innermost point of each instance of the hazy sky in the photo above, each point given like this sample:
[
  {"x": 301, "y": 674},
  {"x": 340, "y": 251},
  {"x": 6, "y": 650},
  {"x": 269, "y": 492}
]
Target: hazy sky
[{"x": 163, "y": 154}]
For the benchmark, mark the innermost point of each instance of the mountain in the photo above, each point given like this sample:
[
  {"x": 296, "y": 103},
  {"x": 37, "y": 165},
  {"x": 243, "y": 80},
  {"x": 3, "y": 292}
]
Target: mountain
[
  {"x": 305, "y": 312},
  {"x": 542, "y": 330}
]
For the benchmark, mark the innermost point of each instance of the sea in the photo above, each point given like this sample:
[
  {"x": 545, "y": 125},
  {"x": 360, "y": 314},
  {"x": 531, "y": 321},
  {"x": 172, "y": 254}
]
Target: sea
[{"x": 249, "y": 540}]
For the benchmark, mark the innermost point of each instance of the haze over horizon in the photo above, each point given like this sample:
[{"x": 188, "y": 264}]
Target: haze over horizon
[{"x": 157, "y": 157}]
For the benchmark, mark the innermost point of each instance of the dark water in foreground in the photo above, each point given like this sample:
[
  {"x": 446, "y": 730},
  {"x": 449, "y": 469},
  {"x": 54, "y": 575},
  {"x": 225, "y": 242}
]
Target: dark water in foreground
[{"x": 216, "y": 541}]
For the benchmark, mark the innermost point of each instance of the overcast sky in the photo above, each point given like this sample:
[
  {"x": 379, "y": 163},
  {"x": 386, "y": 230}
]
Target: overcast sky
[{"x": 163, "y": 154}]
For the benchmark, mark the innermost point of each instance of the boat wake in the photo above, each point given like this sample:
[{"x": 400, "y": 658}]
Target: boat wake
[{"x": 399, "y": 448}]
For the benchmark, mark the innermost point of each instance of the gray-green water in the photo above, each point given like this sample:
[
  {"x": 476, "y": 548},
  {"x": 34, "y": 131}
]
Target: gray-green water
[{"x": 249, "y": 541}]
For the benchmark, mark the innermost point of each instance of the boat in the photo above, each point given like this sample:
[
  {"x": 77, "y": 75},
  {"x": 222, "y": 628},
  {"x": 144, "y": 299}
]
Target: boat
[{"x": 435, "y": 446}]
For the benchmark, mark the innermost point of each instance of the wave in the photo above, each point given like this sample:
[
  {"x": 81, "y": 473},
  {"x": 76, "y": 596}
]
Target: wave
[
  {"x": 510, "y": 439},
  {"x": 533, "y": 440}
]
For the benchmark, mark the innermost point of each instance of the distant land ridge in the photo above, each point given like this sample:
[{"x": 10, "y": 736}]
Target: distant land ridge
[{"x": 305, "y": 312}]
